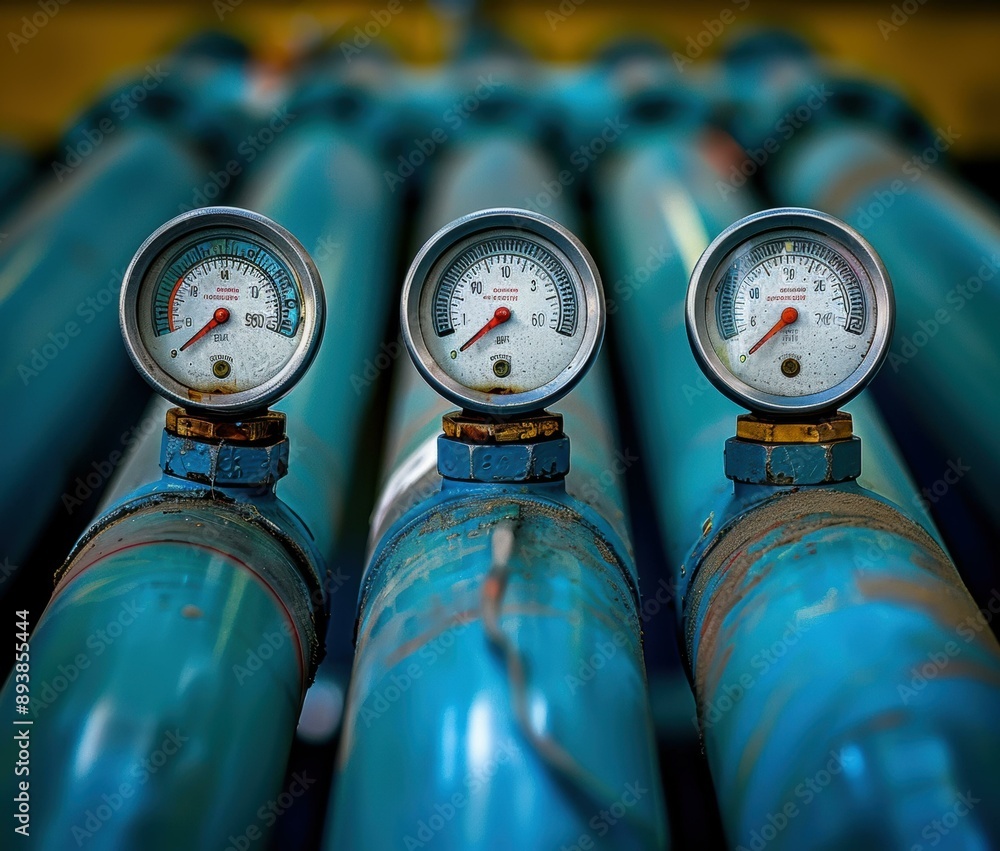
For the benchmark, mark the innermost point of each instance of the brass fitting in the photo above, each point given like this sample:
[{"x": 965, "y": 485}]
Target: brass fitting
[
  {"x": 837, "y": 426},
  {"x": 268, "y": 427},
  {"x": 476, "y": 428}
]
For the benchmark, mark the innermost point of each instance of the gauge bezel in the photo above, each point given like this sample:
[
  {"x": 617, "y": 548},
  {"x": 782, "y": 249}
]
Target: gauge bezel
[
  {"x": 811, "y": 223},
  {"x": 582, "y": 270},
  {"x": 183, "y": 228}
]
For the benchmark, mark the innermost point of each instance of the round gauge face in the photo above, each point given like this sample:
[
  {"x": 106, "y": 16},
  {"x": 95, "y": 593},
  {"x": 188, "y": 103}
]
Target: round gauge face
[
  {"x": 790, "y": 311},
  {"x": 503, "y": 311},
  {"x": 222, "y": 310}
]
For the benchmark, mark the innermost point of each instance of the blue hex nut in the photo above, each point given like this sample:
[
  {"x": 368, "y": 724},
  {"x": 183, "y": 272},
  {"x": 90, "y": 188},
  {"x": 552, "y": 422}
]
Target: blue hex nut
[
  {"x": 223, "y": 464},
  {"x": 542, "y": 460},
  {"x": 793, "y": 463}
]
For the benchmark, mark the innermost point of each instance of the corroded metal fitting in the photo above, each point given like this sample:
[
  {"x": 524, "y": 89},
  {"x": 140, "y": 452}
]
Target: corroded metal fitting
[
  {"x": 223, "y": 464},
  {"x": 480, "y": 428},
  {"x": 822, "y": 451},
  {"x": 838, "y": 426},
  {"x": 268, "y": 427}
]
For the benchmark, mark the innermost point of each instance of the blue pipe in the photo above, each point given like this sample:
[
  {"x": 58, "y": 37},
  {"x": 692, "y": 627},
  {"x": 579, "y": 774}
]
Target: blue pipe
[
  {"x": 770, "y": 88},
  {"x": 323, "y": 184},
  {"x": 187, "y": 621},
  {"x": 847, "y": 688},
  {"x": 236, "y": 600},
  {"x": 943, "y": 246},
  {"x": 205, "y": 89},
  {"x": 465, "y": 683},
  {"x": 832, "y": 643},
  {"x": 192, "y": 592},
  {"x": 228, "y": 597},
  {"x": 60, "y": 272},
  {"x": 62, "y": 354}
]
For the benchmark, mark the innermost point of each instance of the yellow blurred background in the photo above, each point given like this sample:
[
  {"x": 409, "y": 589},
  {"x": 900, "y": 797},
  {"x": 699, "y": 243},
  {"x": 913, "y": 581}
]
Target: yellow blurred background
[{"x": 944, "y": 56}]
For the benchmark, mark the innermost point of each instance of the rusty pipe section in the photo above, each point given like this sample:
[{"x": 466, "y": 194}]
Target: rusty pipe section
[
  {"x": 199, "y": 612},
  {"x": 846, "y": 683},
  {"x": 832, "y": 641},
  {"x": 498, "y": 624}
]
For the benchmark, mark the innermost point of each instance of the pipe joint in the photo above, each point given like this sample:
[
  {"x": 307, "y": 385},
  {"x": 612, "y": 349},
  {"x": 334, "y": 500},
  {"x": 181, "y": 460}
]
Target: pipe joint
[{"x": 265, "y": 540}]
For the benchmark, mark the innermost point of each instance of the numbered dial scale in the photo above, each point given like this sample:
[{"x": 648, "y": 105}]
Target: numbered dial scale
[
  {"x": 502, "y": 311},
  {"x": 790, "y": 311},
  {"x": 222, "y": 310}
]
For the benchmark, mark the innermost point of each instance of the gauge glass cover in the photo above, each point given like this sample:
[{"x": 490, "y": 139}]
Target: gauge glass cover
[
  {"x": 503, "y": 311},
  {"x": 790, "y": 311},
  {"x": 222, "y": 310}
]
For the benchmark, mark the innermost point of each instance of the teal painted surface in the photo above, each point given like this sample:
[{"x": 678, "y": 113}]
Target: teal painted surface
[
  {"x": 327, "y": 189},
  {"x": 432, "y": 718},
  {"x": 158, "y": 675},
  {"x": 430, "y": 713},
  {"x": 942, "y": 247},
  {"x": 874, "y": 605},
  {"x": 848, "y": 690},
  {"x": 60, "y": 350}
]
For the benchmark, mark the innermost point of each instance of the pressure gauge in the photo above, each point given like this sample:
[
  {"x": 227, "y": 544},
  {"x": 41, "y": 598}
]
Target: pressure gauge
[
  {"x": 790, "y": 311},
  {"x": 503, "y": 311},
  {"x": 222, "y": 310}
]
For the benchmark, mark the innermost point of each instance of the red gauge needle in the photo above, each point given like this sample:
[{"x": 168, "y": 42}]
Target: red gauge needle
[
  {"x": 500, "y": 315},
  {"x": 788, "y": 316},
  {"x": 220, "y": 317}
]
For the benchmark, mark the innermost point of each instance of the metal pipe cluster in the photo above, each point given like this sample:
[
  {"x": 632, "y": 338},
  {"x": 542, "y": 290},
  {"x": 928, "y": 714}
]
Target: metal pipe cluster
[{"x": 846, "y": 685}]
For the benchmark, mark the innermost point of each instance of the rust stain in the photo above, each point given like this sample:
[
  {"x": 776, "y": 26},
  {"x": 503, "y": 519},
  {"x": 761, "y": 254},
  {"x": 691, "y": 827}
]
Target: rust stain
[
  {"x": 947, "y": 609},
  {"x": 463, "y": 618},
  {"x": 754, "y": 747},
  {"x": 960, "y": 669},
  {"x": 726, "y": 595},
  {"x": 605, "y": 551},
  {"x": 755, "y": 538}
]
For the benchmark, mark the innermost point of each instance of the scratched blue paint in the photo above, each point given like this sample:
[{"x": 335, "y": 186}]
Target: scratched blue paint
[
  {"x": 430, "y": 724},
  {"x": 430, "y": 714},
  {"x": 323, "y": 184},
  {"x": 846, "y": 642},
  {"x": 874, "y": 604}
]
